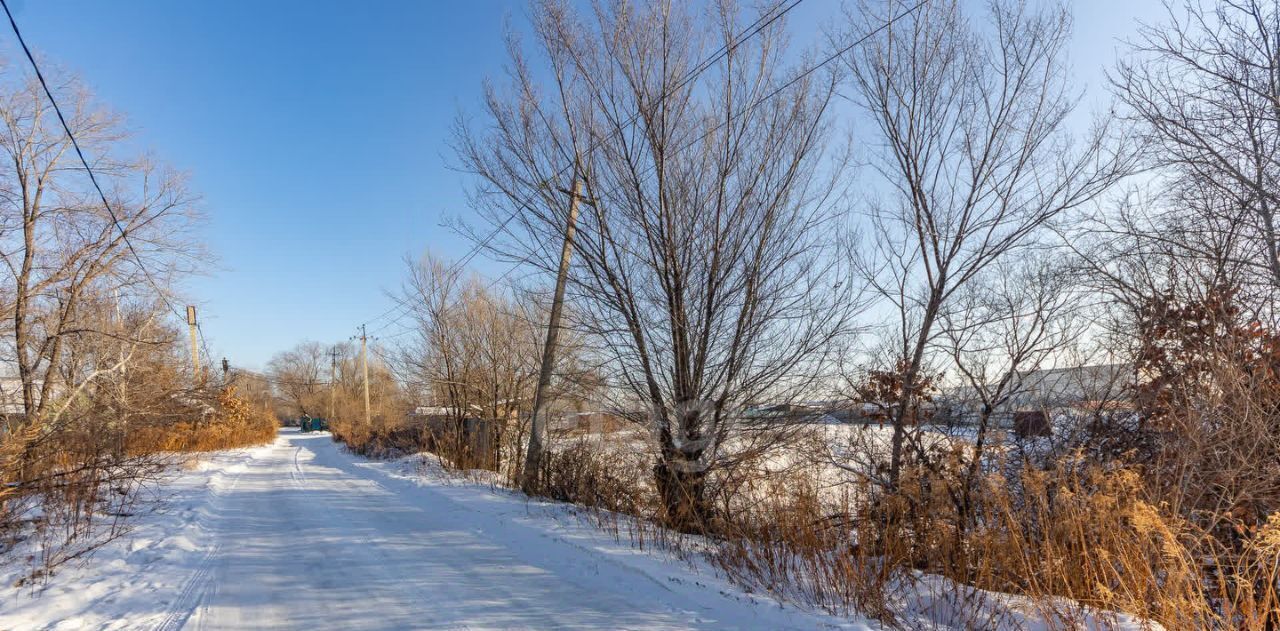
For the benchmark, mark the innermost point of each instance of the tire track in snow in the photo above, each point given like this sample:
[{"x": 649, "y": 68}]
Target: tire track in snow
[
  {"x": 298, "y": 476},
  {"x": 192, "y": 596}
]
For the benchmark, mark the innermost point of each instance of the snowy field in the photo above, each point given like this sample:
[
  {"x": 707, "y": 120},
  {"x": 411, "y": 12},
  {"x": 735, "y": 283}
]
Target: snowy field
[{"x": 302, "y": 535}]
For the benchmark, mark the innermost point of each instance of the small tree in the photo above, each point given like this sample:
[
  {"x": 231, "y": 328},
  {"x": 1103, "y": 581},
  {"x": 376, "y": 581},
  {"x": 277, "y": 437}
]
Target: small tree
[
  {"x": 469, "y": 348},
  {"x": 301, "y": 376}
]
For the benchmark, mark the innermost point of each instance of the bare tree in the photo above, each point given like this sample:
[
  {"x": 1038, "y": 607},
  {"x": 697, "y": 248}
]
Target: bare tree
[
  {"x": 973, "y": 155},
  {"x": 59, "y": 245},
  {"x": 472, "y": 349},
  {"x": 702, "y": 262},
  {"x": 301, "y": 376},
  {"x": 1014, "y": 320},
  {"x": 83, "y": 309},
  {"x": 435, "y": 361},
  {"x": 1204, "y": 92}
]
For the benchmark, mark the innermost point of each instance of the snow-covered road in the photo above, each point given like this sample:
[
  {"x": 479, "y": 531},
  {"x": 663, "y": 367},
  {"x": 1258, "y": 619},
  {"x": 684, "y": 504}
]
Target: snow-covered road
[{"x": 302, "y": 535}]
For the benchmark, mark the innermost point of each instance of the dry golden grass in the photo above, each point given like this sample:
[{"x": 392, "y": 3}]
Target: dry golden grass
[
  {"x": 1070, "y": 540},
  {"x": 233, "y": 423},
  {"x": 1076, "y": 540},
  {"x": 69, "y": 485}
]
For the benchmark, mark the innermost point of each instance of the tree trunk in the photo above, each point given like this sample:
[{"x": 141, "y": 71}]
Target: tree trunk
[{"x": 682, "y": 490}]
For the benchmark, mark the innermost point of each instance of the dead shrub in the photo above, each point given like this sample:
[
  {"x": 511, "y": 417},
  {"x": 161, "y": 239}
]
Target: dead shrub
[
  {"x": 70, "y": 483},
  {"x": 1073, "y": 537},
  {"x": 230, "y": 423},
  {"x": 795, "y": 545},
  {"x": 391, "y": 441},
  {"x": 578, "y": 474}
]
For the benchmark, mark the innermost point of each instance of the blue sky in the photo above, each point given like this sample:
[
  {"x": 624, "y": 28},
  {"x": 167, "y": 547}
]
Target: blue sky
[{"x": 317, "y": 134}]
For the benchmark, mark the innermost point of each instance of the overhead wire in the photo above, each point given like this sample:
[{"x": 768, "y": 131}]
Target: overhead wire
[
  {"x": 749, "y": 108},
  {"x": 830, "y": 58},
  {"x": 124, "y": 233},
  {"x": 204, "y": 346},
  {"x": 277, "y": 380},
  {"x": 93, "y": 178},
  {"x": 762, "y": 22}
]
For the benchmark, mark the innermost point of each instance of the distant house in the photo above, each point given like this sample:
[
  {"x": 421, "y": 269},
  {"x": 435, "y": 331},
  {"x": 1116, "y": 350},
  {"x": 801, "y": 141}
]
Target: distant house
[
  {"x": 586, "y": 422},
  {"x": 1040, "y": 395},
  {"x": 424, "y": 412},
  {"x": 836, "y": 412},
  {"x": 779, "y": 414},
  {"x": 1057, "y": 388},
  {"x": 855, "y": 413}
]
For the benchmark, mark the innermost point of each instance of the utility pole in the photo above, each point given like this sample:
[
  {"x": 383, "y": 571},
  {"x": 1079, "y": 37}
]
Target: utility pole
[
  {"x": 124, "y": 369},
  {"x": 364, "y": 364},
  {"x": 195, "y": 348},
  {"x": 333, "y": 378},
  {"x": 538, "y": 422}
]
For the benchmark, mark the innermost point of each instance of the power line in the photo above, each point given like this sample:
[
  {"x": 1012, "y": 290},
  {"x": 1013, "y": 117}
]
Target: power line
[
  {"x": 398, "y": 304},
  {"x": 773, "y": 93},
  {"x": 405, "y": 308},
  {"x": 776, "y": 91},
  {"x": 124, "y": 234},
  {"x": 806, "y": 73},
  {"x": 724, "y": 50},
  {"x": 408, "y": 308},
  {"x": 204, "y": 346},
  {"x": 764, "y": 21},
  {"x": 276, "y": 380},
  {"x": 761, "y": 23}
]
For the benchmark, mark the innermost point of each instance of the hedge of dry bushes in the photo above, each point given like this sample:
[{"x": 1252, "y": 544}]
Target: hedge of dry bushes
[{"x": 70, "y": 483}]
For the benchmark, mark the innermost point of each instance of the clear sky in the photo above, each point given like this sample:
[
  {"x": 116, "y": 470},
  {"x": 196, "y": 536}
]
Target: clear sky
[{"x": 317, "y": 133}]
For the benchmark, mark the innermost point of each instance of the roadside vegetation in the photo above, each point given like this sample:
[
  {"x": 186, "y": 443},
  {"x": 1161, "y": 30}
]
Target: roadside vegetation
[
  {"x": 99, "y": 393},
  {"x": 738, "y": 255},
  {"x": 893, "y": 326}
]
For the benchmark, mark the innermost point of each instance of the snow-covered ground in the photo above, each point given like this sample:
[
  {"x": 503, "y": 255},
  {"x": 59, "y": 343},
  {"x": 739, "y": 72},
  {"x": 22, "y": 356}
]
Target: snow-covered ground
[{"x": 302, "y": 535}]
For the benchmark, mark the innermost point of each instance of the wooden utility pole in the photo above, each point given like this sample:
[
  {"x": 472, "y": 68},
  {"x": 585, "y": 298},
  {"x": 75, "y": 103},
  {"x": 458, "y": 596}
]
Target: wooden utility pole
[
  {"x": 364, "y": 365},
  {"x": 537, "y": 421},
  {"x": 333, "y": 379},
  {"x": 195, "y": 348},
  {"x": 124, "y": 369}
]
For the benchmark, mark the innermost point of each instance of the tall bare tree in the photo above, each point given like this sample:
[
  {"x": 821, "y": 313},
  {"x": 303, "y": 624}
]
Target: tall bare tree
[
  {"x": 60, "y": 246},
  {"x": 701, "y": 265},
  {"x": 84, "y": 318},
  {"x": 301, "y": 376},
  {"x": 472, "y": 349},
  {"x": 437, "y": 362},
  {"x": 973, "y": 154}
]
